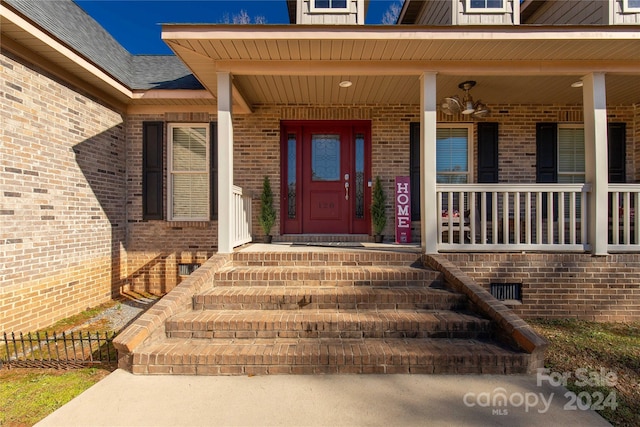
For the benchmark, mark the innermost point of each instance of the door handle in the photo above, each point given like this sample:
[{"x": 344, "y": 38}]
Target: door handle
[{"x": 346, "y": 191}]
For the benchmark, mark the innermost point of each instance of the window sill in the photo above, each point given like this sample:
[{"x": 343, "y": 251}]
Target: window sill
[
  {"x": 485, "y": 11},
  {"x": 318, "y": 11}
]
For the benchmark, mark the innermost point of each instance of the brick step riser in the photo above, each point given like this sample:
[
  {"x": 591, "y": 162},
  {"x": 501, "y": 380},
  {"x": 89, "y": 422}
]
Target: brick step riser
[
  {"x": 319, "y": 259},
  {"x": 326, "y": 263},
  {"x": 383, "y": 283},
  {"x": 443, "y": 306},
  {"x": 321, "y": 334},
  {"x": 320, "y": 369},
  {"x": 362, "y": 298},
  {"x": 328, "y": 359},
  {"x": 406, "y": 324},
  {"x": 342, "y": 274}
]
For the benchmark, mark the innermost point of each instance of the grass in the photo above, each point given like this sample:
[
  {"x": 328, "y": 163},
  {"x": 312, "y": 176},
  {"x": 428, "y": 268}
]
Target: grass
[
  {"x": 81, "y": 318},
  {"x": 29, "y": 395},
  {"x": 599, "y": 349}
]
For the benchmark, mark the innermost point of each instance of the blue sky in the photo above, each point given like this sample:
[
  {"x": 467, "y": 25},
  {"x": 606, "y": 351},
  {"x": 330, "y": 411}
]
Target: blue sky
[{"x": 136, "y": 24}]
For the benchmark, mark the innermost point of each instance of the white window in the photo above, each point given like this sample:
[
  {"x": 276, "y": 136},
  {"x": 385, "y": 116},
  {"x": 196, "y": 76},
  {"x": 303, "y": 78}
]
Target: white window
[
  {"x": 482, "y": 6},
  {"x": 329, "y": 6},
  {"x": 570, "y": 154},
  {"x": 188, "y": 172},
  {"x": 453, "y": 154},
  {"x": 630, "y": 5}
]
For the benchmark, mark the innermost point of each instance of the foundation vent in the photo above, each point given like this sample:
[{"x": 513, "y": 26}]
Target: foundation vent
[
  {"x": 507, "y": 292},
  {"x": 187, "y": 269}
]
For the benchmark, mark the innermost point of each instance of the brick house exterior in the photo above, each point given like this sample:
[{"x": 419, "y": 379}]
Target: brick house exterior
[
  {"x": 74, "y": 230},
  {"x": 63, "y": 215}
]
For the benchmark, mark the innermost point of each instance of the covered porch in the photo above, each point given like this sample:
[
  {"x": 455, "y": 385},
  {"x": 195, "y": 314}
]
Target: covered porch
[
  {"x": 524, "y": 76},
  {"x": 534, "y": 217}
]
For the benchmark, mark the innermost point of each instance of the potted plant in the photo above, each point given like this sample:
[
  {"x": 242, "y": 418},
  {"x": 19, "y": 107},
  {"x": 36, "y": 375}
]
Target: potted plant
[
  {"x": 267, "y": 212},
  {"x": 378, "y": 214}
]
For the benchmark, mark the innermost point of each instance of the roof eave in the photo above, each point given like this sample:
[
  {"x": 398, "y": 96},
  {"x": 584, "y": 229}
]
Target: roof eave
[
  {"x": 65, "y": 54},
  {"x": 391, "y": 32}
]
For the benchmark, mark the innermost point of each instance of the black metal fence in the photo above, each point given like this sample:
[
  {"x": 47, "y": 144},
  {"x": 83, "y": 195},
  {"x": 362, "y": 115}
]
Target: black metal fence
[{"x": 64, "y": 350}]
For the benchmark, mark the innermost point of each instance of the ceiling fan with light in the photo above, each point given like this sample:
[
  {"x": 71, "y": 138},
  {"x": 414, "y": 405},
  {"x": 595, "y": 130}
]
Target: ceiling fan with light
[{"x": 452, "y": 104}]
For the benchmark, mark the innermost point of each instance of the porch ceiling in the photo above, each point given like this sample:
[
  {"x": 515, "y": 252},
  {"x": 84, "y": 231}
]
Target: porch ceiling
[
  {"x": 621, "y": 90},
  {"x": 304, "y": 64}
]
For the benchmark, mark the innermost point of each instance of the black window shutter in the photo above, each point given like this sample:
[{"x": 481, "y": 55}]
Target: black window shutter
[
  {"x": 617, "y": 152},
  {"x": 547, "y": 160},
  {"x": 414, "y": 170},
  {"x": 487, "y": 160},
  {"x": 546, "y": 152},
  {"x": 488, "y": 152},
  {"x": 213, "y": 172},
  {"x": 152, "y": 170}
]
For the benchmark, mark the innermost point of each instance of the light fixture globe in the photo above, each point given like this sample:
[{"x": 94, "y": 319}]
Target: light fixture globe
[
  {"x": 468, "y": 107},
  {"x": 468, "y": 100}
]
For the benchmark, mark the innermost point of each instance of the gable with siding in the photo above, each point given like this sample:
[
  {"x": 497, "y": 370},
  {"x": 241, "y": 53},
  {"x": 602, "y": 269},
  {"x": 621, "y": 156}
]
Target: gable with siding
[{"x": 581, "y": 12}]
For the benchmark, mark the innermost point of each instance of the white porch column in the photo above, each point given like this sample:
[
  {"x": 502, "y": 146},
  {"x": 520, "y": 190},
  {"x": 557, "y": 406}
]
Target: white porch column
[
  {"x": 225, "y": 164},
  {"x": 596, "y": 160},
  {"x": 428, "y": 120}
]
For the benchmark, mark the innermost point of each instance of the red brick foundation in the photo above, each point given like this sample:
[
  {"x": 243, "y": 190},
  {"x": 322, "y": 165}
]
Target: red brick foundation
[{"x": 563, "y": 285}]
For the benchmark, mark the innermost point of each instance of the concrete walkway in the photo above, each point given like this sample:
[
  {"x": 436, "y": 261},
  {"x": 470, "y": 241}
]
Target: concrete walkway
[{"x": 123, "y": 399}]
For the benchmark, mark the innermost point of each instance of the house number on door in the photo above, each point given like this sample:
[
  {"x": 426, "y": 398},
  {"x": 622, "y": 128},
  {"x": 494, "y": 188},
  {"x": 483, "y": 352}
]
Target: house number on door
[{"x": 326, "y": 205}]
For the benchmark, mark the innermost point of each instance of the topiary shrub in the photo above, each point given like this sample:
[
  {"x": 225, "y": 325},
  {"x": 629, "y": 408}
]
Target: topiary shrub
[
  {"x": 267, "y": 212},
  {"x": 378, "y": 214}
]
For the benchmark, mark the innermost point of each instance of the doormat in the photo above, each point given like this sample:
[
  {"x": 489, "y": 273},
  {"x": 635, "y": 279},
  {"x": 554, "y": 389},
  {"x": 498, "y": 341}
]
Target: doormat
[{"x": 330, "y": 244}]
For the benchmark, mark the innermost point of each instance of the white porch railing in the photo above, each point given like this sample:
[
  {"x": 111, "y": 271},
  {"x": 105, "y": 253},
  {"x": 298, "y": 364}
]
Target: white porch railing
[
  {"x": 624, "y": 223},
  {"x": 241, "y": 217},
  {"x": 518, "y": 217}
]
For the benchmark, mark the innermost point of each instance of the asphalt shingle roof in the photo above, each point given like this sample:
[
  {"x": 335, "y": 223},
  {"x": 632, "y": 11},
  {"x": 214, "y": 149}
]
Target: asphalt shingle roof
[
  {"x": 161, "y": 72},
  {"x": 70, "y": 24}
]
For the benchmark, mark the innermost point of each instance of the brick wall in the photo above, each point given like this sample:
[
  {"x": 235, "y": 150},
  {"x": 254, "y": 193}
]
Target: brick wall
[
  {"x": 257, "y": 153},
  {"x": 155, "y": 248},
  {"x": 563, "y": 285},
  {"x": 559, "y": 285},
  {"x": 71, "y": 201},
  {"x": 517, "y": 135},
  {"x": 62, "y": 180}
]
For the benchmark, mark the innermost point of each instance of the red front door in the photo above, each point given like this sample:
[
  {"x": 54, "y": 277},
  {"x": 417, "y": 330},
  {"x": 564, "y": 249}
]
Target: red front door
[{"x": 325, "y": 177}]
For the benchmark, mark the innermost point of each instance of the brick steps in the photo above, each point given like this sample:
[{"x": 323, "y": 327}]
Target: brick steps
[
  {"x": 330, "y": 356},
  {"x": 327, "y": 259},
  {"x": 326, "y": 276},
  {"x": 354, "y": 297},
  {"x": 327, "y": 311},
  {"x": 326, "y": 324}
]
